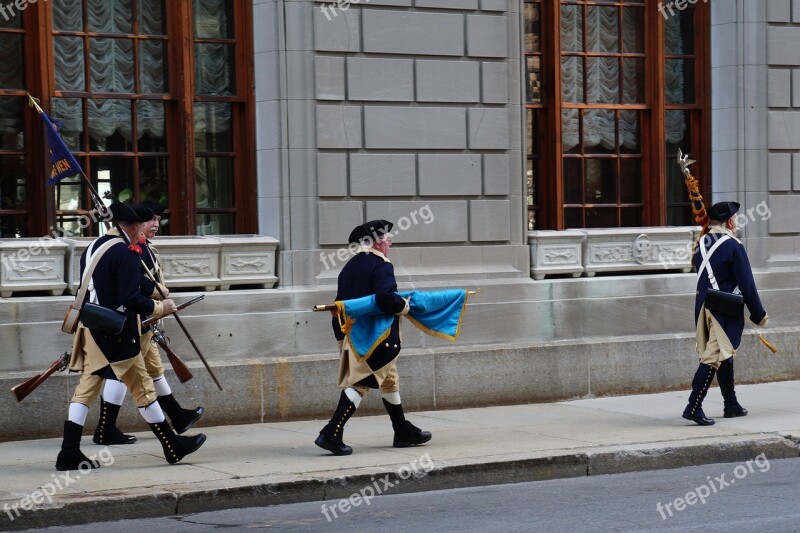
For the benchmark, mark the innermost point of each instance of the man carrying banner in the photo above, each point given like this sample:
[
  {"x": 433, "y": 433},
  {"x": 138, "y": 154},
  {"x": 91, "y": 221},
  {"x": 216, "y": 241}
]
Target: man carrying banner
[
  {"x": 114, "y": 283},
  {"x": 722, "y": 264},
  {"x": 370, "y": 272},
  {"x": 113, "y": 395}
]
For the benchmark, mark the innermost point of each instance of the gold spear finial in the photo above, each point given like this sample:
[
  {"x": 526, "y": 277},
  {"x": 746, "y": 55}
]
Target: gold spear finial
[{"x": 684, "y": 162}]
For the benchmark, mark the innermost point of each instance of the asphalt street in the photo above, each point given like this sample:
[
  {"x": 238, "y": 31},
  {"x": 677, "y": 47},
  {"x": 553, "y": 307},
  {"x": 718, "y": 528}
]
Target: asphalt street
[{"x": 755, "y": 496}]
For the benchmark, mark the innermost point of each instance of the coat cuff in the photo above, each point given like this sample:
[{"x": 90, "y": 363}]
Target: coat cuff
[{"x": 158, "y": 309}]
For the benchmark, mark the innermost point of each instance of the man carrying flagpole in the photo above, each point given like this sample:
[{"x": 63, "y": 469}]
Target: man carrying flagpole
[{"x": 370, "y": 272}]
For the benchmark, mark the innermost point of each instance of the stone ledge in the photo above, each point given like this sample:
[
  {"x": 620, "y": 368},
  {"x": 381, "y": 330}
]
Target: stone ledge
[{"x": 284, "y": 389}]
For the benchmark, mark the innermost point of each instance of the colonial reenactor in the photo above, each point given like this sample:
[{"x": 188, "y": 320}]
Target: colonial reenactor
[
  {"x": 114, "y": 390},
  {"x": 722, "y": 264},
  {"x": 370, "y": 272},
  {"x": 113, "y": 283}
]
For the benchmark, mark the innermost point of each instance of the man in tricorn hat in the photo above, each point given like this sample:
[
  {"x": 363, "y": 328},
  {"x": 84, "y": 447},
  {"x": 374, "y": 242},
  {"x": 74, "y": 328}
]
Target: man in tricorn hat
[
  {"x": 115, "y": 284},
  {"x": 106, "y": 431},
  {"x": 370, "y": 272},
  {"x": 722, "y": 264}
]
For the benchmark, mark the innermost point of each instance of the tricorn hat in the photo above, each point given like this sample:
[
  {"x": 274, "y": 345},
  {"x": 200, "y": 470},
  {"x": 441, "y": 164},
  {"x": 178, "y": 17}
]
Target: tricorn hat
[
  {"x": 156, "y": 207},
  {"x": 130, "y": 212},
  {"x": 722, "y": 211},
  {"x": 372, "y": 229}
]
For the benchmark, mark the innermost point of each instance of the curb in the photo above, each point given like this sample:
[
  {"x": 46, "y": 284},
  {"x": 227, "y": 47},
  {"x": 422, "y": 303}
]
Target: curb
[{"x": 167, "y": 500}]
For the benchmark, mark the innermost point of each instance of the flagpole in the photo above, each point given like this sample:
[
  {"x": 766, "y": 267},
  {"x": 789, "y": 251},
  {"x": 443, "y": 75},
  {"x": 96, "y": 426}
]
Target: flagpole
[{"x": 99, "y": 205}]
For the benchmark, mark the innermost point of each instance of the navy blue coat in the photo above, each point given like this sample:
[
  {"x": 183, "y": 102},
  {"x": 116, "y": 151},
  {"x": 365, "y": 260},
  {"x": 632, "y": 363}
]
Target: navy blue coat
[
  {"x": 366, "y": 274},
  {"x": 147, "y": 286},
  {"x": 731, "y": 269},
  {"x": 117, "y": 282}
]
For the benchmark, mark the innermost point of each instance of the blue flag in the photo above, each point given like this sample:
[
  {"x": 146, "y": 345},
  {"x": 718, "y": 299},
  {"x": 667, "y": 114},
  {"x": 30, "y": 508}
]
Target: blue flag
[
  {"x": 437, "y": 313},
  {"x": 64, "y": 164}
]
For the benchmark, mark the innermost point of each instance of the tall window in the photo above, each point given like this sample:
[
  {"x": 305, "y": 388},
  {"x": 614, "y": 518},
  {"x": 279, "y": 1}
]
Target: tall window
[
  {"x": 111, "y": 81},
  {"x": 683, "y": 108},
  {"x": 614, "y": 137},
  {"x": 215, "y": 89},
  {"x": 13, "y": 193},
  {"x": 533, "y": 100},
  {"x": 126, "y": 77}
]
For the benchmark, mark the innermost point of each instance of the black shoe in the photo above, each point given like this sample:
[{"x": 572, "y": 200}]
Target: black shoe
[
  {"x": 182, "y": 419},
  {"x": 176, "y": 447},
  {"x": 336, "y": 448},
  {"x": 106, "y": 433},
  {"x": 734, "y": 412},
  {"x": 71, "y": 457},
  {"x": 699, "y": 420},
  {"x": 411, "y": 435}
]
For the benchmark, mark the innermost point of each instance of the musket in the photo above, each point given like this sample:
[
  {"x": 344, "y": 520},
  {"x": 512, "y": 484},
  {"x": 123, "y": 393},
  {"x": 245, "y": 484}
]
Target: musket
[
  {"x": 152, "y": 320},
  {"x": 181, "y": 370},
  {"x": 22, "y": 390},
  {"x": 186, "y": 331}
]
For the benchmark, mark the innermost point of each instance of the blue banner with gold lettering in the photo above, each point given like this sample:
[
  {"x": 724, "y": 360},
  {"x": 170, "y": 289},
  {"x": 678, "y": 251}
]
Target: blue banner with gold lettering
[{"x": 64, "y": 164}]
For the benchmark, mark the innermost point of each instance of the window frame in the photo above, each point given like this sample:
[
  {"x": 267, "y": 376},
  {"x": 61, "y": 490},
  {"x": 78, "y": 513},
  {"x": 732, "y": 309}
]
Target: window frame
[
  {"x": 549, "y": 203},
  {"x": 178, "y": 99}
]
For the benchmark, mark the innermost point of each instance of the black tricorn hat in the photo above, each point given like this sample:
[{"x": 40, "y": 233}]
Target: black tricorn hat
[
  {"x": 130, "y": 212},
  {"x": 372, "y": 229},
  {"x": 722, "y": 211},
  {"x": 156, "y": 207}
]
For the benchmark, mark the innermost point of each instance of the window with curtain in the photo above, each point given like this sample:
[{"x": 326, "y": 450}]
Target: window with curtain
[
  {"x": 616, "y": 138},
  {"x": 117, "y": 84},
  {"x": 215, "y": 83},
  {"x": 13, "y": 192},
  {"x": 682, "y": 107},
  {"x": 111, "y": 84},
  {"x": 533, "y": 101}
]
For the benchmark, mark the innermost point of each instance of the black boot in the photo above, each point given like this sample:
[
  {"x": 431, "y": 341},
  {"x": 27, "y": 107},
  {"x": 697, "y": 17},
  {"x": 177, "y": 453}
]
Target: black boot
[
  {"x": 71, "y": 457},
  {"x": 175, "y": 446},
  {"x": 330, "y": 438},
  {"x": 182, "y": 419},
  {"x": 725, "y": 380},
  {"x": 700, "y": 384},
  {"x": 406, "y": 434},
  {"x": 106, "y": 431}
]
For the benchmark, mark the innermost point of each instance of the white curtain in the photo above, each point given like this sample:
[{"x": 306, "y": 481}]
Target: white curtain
[
  {"x": 674, "y": 81},
  {"x": 111, "y": 65},
  {"x": 602, "y": 79}
]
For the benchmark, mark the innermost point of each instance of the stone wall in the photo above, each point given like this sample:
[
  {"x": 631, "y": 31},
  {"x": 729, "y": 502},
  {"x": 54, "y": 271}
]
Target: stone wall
[
  {"x": 756, "y": 122},
  {"x": 383, "y": 109}
]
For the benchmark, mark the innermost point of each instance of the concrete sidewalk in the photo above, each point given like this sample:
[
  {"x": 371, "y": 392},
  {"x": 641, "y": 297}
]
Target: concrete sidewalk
[{"x": 263, "y": 464}]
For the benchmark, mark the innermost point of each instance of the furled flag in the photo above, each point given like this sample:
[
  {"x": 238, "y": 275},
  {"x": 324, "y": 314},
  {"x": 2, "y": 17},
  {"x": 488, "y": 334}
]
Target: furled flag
[
  {"x": 64, "y": 163},
  {"x": 437, "y": 313}
]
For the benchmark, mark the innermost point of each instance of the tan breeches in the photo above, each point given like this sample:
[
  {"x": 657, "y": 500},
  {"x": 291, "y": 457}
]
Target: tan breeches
[
  {"x": 152, "y": 357},
  {"x": 387, "y": 377},
  {"x": 131, "y": 372},
  {"x": 714, "y": 354}
]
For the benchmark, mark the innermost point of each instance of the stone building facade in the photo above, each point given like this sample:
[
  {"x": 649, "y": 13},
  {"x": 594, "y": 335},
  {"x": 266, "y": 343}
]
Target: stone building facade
[{"x": 415, "y": 110}]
